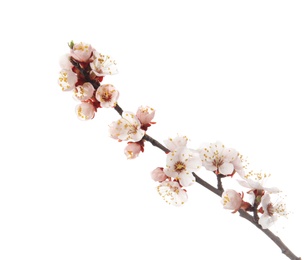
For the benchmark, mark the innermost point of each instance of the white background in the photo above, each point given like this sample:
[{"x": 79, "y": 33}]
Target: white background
[{"x": 233, "y": 71}]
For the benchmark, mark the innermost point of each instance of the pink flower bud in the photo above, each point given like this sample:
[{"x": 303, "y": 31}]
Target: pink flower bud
[
  {"x": 85, "y": 111},
  {"x": 145, "y": 114},
  {"x": 84, "y": 92},
  {"x": 65, "y": 62},
  {"x": 132, "y": 150},
  {"x": 232, "y": 200},
  {"x": 158, "y": 174},
  {"x": 67, "y": 80},
  {"x": 81, "y": 52}
]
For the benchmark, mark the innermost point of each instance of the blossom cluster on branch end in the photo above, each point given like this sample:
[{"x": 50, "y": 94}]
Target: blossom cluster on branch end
[{"x": 82, "y": 71}]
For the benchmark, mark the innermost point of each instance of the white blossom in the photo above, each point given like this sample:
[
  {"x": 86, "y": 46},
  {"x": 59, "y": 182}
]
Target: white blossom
[
  {"x": 271, "y": 211},
  {"x": 127, "y": 128},
  {"x": 172, "y": 193},
  {"x": 257, "y": 181},
  {"x": 107, "y": 95},
  {"x": 216, "y": 157},
  {"x": 176, "y": 143},
  {"x": 103, "y": 65},
  {"x": 67, "y": 80},
  {"x": 181, "y": 163}
]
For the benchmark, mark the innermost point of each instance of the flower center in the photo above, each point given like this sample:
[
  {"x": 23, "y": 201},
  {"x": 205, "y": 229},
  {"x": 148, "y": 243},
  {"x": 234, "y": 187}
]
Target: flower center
[
  {"x": 106, "y": 96},
  {"x": 179, "y": 166},
  {"x": 217, "y": 162},
  {"x": 270, "y": 209}
]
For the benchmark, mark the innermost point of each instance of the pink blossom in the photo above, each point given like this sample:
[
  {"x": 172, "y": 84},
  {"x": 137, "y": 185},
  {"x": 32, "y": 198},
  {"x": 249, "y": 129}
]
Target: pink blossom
[
  {"x": 107, "y": 95},
  {"x": 84, "y": 92},
  {"x": 65, "y": 62},
  {"x": 232, "y": 200},
  {"x": 103, "y": 65},
  {"x": 85, "y": 111},
  {"x": 215, "y": 157},
  {"x": 116, "y": 130},
  {"x": 67, "y": 80},
  {"x": 81, "y": 52},
  {"x": 145, "y": 114},
  {"x": 271, "y": 211},
  {"x": 181, "y": 163},
  {"x": 175, "y": 143},
  {"x": 158, "y": 174},
  {"x": 127, "y": 128},
  {"x": 132, "y": 150},
  {"x": 172, "y": 193}
]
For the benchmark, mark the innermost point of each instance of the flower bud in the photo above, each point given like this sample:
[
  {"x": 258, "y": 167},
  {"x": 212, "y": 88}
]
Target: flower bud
[
  {"x": 231, "y": 200},
  {"x": 132, "y": 150},
  {"x": 158, "y": 174},
  {"x": 85, "y": 111},
  {"x": 145, "y": 114}
]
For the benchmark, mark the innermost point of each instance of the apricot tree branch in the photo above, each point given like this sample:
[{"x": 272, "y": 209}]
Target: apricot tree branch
[{"x": 219, "y": 191}]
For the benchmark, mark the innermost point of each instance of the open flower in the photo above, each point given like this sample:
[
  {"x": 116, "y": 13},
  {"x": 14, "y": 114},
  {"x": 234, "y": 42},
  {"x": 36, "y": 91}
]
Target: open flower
[
  {"x": 175, "y": 143},
  {"x": 103, "y": 65},
  {"x": 107, "y": 95},
  {"x": 85, "y": 111},
  {"x": 215, "y": 157},
  {"x": 172, "y": 193},
  {"x": 270, "y": 211},
  {"x": 115, "y": 130},
  {"x": 127, "y": 128},
  {"x": 181, "y": 163},
  {"x": 67, "y": 79},
  {"x": 256, "y": 181},
  {"x": 81, "y": 52},
  {"x": 84, "y": 92}
]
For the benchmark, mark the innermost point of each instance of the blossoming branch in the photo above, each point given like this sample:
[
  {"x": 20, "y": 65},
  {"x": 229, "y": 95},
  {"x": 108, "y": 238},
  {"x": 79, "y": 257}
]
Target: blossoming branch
[{"x": 82, "y": 72}]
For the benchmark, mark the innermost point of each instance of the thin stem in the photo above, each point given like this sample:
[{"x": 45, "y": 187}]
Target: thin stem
[
  {"x": 219, "y": 182},
  {"x": 156, "y": 143},
  {"x": 118, "y": 109},
  {"x": 207, "y": 185},
  {"x": 84, "y": 73}
]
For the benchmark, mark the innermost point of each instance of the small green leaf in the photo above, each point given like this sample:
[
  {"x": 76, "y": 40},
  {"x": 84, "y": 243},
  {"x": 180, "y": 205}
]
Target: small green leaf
[{"x": 71, "y": 44}]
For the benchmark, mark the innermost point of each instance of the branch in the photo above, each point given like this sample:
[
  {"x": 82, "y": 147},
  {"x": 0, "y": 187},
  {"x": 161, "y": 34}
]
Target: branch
[
  {"x": 219, "y": 182},
  {"x": 254, "y": 220},
  {"x": 284, "y": 249}
]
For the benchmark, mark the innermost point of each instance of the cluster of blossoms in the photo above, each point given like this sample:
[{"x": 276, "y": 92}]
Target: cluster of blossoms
[
  {"x": 83, "y": 70},
  {"x": 259, "y": 198},
  {"x": 182, "y": 162},
  {"x": 132, "y": 128}
]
